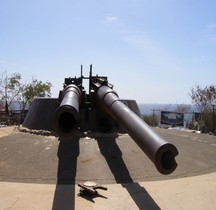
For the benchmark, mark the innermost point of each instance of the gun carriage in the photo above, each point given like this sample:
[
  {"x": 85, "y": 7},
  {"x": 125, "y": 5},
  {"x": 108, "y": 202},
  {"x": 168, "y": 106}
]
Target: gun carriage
[{"x": 101, "y": 110}]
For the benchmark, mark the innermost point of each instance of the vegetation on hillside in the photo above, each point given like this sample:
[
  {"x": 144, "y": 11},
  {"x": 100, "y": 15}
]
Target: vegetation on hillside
[{"x": 12, "y": 89}]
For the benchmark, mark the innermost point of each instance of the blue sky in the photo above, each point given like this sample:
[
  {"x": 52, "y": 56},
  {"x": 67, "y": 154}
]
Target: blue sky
[{"x": 153, "y": 51}]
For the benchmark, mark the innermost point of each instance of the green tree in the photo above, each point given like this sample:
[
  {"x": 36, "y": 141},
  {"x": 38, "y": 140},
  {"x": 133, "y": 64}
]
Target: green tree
[
  {"x": 10, "y": 88},
  {"x": 13, "y": 90},
  {"x": 36, "y": 88},
  {"x": 203, "y": 98}
]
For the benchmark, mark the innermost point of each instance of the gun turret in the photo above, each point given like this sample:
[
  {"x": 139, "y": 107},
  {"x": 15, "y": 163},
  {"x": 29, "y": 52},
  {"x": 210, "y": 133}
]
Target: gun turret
[{"x": 102, "y": 110}]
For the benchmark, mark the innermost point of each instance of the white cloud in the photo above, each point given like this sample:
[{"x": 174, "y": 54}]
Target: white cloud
[
  {"x": 144, "y": 43},
  {"x": 209, "y": 32},
  {"x": 210, "y": 26},
  {"x": 110, "y": 19}
]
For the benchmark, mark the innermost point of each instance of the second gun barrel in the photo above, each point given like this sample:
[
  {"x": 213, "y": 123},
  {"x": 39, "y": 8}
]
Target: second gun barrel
[{"x": 159, "y": 151}]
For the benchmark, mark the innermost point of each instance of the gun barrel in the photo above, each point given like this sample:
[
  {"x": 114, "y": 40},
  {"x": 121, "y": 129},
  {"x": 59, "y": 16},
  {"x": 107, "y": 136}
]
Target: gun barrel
[
  {"x": 66, "y": 119},
  {"x": 159, "y": 151}
]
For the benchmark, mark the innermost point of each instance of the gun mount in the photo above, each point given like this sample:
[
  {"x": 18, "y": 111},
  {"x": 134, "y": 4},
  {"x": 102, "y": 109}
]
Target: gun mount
[{"x": 102, "y": 110}]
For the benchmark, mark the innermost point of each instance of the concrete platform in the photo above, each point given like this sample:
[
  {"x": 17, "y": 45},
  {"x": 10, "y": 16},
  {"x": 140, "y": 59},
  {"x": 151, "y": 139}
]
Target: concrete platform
[
  {"x": 186, "y": 193},
  {"x": 39, "y": 173}
]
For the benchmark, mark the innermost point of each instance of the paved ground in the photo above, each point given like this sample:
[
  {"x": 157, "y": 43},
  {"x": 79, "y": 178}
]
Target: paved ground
[
  {"x": 177, "y": 194},
  {"x": 55, "y": 167},
  {"x": 39, "y": 159}
]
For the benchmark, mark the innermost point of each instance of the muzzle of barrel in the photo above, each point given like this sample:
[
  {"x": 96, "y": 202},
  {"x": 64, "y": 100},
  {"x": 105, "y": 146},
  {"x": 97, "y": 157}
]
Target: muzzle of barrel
[
  {"x": 159, "y": 151},
  {"x": 66, "y": 119}
]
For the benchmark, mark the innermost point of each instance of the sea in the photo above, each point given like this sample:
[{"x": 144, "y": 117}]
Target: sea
[{"x": 148, "y": 109}]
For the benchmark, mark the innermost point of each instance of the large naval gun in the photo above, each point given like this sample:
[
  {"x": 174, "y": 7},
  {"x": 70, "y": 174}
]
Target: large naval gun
[{"x": 99, "y": 110}]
